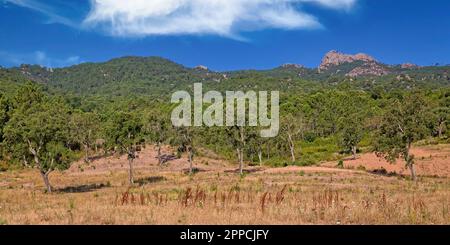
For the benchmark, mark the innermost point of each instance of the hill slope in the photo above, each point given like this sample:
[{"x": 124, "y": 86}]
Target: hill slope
[{"x": 158, "y": 77}]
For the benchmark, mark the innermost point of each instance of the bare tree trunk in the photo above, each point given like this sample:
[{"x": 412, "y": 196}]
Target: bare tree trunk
[
  {"x": 260, "y": 156},
  {"x": 190, "y": 160},
  {"x": 241, "y": 162},
  {"x": 440, "y": 129},
  {"x": 86, "y": 153},
  {"x": 44, "y": 174},
  {"x": 25, "y": 161},
  {"x": 410, "y": 162},
  {"x": 159, "y": 153},
  {"x": 240, "y": 154},
  {"x": 413, "y": 172},
  {"x": 46, "y": 180},
  {"x": 268, "y": 151},
  {"x": 238, "y": 151},
  {"x": 292, "y": 147},
  {"x": 354, "y": 152},
  {"x": 130, "y": 170},
  {"x": 292, "y": 154}
]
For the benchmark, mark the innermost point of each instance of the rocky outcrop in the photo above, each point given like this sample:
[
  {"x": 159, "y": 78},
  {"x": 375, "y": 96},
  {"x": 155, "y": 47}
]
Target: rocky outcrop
[
  {"x": 335, "y": 58},
  {"x": 201, "y": 68},
  {"x": 409, "y": 66},
  {"x": 368, "y": 69},
  {"x": 366, "y": 66},
  {"x": 292, "y": 66}
]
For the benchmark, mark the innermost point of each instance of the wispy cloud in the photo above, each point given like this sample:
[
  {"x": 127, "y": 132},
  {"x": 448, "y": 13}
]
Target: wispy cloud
[
  {"x": 50, "y": 12},
  {"x": 218, "y": 17},
  {"x": 335, "y": 4},
  {"x": 226, "y": 18},
  {"x": 37, "y": 57}
]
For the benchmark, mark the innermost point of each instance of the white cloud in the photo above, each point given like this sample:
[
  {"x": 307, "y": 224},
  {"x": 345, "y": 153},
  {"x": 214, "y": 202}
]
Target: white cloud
[
  {"x": 38, "y": 58},
  {"x": 177, "y": 17},
  {"x": 218, "y": 17},
  {"x": 336, "y": 4}
]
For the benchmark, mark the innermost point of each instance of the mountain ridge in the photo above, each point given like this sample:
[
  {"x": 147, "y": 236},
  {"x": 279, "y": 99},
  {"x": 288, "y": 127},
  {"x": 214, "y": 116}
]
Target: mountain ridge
[
  {"x": 135, "y": 75},
  {"x": 331, "y": 58}
]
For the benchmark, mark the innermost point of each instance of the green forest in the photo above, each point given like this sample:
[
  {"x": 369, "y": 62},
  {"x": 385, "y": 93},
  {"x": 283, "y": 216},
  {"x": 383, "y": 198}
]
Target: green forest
[{"x": 50, "y": 118}]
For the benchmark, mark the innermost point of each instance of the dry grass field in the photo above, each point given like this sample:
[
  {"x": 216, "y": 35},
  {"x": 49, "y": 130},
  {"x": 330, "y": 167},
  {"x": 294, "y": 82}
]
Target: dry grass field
[{"x": 98, "y": 194}]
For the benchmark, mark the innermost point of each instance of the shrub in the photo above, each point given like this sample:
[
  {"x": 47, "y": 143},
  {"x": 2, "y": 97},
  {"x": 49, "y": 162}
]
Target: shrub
[
  {"x": 3, "y": 166},
  {"x": 3, "y": 221},
  {"x": 310, "y": 137}
]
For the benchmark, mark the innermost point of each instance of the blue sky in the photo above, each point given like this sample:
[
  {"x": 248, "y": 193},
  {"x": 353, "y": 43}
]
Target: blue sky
[{"x": 224, "y": 35}]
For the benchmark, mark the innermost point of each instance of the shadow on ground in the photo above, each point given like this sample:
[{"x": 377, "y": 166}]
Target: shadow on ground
[
  {"x": 246, "y": 171},
  {"x": 384, "y": 172},
  {"x": 194, "y": 170},
  {"x": 82, "y": 188},
  {"x": 149, "y": 180}
]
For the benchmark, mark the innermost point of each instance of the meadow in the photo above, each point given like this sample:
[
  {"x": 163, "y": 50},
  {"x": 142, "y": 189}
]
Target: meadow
[{"x": 98, "y": 193}]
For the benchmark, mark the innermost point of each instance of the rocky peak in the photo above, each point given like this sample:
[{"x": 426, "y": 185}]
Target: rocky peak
[
  {"x": 335, "y": 58},
  {"x": 201, "y": 68}
]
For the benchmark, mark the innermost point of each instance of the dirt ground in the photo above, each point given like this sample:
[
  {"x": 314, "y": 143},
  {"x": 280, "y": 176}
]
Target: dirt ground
[
  {"x": 98, "y": 193},
  {"x": 430, "y": 161},
  {"x": 146, "y": 161}
]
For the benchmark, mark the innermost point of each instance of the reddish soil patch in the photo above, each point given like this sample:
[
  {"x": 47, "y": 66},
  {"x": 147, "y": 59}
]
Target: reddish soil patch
[
  {"x": 430, "y": 161},
  {"x": 306, "y": 169},
  {"x": 146, "y": 160}
]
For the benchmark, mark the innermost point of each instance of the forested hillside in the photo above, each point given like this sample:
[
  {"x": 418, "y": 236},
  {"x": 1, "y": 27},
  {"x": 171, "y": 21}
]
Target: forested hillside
[
  {"x": 158, "y": 77},
  {"x": 64, "y": 113}
]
